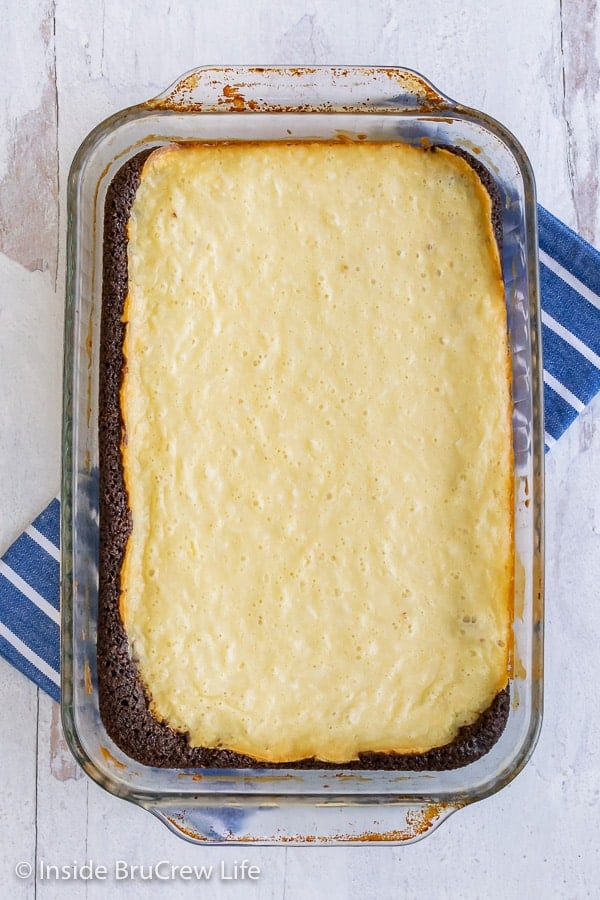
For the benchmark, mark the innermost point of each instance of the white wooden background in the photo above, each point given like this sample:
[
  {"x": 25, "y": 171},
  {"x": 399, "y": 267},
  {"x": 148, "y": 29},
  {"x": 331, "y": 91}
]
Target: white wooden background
[{"x": 64, "y": 66}]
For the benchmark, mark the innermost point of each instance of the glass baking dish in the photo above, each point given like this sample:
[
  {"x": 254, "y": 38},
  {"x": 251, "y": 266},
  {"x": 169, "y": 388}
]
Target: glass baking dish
[{"x": 275, "y": 805}]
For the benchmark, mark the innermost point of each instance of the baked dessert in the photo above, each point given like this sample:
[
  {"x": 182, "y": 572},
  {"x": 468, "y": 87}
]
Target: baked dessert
[{"x": 306, "y": 458}]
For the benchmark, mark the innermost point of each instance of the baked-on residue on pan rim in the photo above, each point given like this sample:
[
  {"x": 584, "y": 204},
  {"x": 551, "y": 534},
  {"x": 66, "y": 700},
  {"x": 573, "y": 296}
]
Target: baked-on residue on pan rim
[{"x": 124, "y": 705}]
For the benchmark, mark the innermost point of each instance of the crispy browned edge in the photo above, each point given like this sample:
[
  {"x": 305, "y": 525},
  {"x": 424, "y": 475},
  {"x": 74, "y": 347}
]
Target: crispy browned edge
[{"x": 124, "y": 704}]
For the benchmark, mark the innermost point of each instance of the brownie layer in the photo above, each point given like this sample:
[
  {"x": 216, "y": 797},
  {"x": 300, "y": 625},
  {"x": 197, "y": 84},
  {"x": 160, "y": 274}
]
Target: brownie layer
[{"x": 123, "y": 702}]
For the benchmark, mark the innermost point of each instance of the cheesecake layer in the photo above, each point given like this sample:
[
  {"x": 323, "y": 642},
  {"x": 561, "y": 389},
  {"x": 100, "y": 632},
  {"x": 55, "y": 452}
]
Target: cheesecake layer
[{"x": 317, "y": 458}]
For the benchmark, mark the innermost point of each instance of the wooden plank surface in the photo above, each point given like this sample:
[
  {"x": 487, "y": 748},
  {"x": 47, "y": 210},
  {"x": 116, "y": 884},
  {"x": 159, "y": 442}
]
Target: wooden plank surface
[
  {"x": 18, "y": 753},
  {"x": 68, "y": 64}
]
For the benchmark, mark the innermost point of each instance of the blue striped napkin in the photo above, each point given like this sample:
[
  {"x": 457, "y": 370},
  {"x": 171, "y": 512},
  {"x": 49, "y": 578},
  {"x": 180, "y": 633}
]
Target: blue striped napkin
[
  {"x": 570, "y": 290},
  {"x": 29, "y": 607}
]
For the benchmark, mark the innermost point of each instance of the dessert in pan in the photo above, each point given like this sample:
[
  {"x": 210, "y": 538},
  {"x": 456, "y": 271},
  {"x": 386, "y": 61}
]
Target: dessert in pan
[{"x": 306, "y": 501}]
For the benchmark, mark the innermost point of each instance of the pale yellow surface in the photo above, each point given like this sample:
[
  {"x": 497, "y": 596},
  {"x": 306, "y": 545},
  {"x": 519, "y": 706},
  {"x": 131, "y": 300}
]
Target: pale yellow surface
[{"x": 318, "y": 448}]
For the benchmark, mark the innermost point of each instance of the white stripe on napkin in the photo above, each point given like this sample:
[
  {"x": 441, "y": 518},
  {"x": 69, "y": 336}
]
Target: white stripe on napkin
[
  {"x": 43, "y": 542},
  {"x": 569, "y": 279},
  {"x": 29, "y": 592},
  {"x": 29, "y": 655},
  {"x": 566, "y": 335},
  {"x": 563, "y": 392}
]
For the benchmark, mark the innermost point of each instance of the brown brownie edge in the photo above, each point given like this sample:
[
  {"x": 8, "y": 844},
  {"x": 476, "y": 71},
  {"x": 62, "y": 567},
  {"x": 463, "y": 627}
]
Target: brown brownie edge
[{"x": 124, "y": 703}]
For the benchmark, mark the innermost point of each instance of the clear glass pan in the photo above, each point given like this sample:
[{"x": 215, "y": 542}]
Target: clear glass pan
[{"x": 272, "y": 806}]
